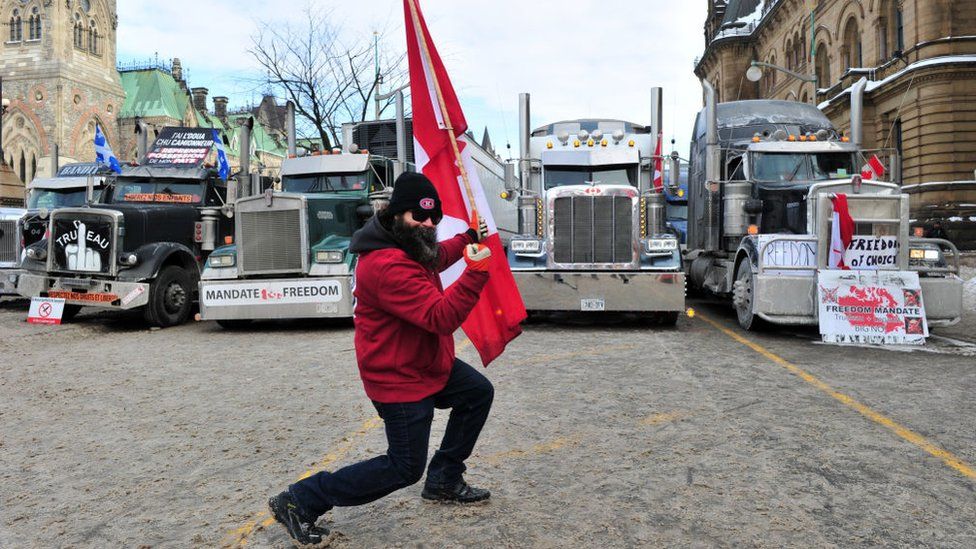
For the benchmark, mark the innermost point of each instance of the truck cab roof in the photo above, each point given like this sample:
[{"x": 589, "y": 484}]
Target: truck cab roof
[
  {"x": 326, "y": 163},
  {"x": 606, "y": 125}
]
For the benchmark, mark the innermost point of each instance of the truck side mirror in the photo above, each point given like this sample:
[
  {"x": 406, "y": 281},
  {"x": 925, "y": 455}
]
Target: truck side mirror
[
  {"x": 364, "y": 211},
  {"x": 674, "y": 167}
]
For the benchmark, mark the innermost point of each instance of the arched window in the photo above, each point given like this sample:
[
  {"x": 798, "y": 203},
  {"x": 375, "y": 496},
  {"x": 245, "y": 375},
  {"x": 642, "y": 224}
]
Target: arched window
[
  {"x": 35, "y": 24},
  {"x": 33, "y": 171},
  {"x": 23, "y": 167},
  {"x": 16, "y": 27},
  {"x": 79, "y": 32},
  {"x": 851, "y": 51},
  {"x": 823, "y": 66},
  {"x": 802, "y": 52},
  {"x": 789, "y": 53},
  {"x": 92, "y": 37}
]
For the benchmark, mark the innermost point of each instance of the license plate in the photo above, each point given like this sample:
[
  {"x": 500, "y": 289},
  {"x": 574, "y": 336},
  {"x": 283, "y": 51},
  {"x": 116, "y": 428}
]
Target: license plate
[{"x": 592, "y": 305}]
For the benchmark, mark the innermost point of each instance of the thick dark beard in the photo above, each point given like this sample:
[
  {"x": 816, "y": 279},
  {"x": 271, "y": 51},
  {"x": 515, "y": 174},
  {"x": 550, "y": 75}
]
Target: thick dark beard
[{"x": 419, "y": 242}]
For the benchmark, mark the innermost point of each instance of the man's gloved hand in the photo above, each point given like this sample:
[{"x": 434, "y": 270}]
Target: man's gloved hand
[
  {"x": 478, "y": 257},
  {"x": 479, "y": 226}
]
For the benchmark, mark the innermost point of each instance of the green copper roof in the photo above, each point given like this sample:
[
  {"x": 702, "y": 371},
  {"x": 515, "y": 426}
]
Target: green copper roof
[{"x": 152, "y": 93}]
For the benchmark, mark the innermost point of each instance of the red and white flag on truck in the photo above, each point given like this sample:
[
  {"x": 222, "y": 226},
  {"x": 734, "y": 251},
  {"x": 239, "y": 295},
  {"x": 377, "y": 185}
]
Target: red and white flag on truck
[
  {"x": 841, "y": 232},
  {"x": 874, "y": 170},
  {"x": 659, "y": 165},
  {"x": 437, "y": 113}
]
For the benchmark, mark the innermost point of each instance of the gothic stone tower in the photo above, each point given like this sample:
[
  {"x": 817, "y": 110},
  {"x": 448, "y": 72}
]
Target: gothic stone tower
[{"x": 58, "y": 63}]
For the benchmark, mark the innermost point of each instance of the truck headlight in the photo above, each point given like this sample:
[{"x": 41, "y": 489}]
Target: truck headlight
[
  {"x": 37, "y": 253},
  {"x": 526, "y": 246},
  {"x": 924, "y": 254},
  {"x": 657, "y": 245},
  {"x": 218, "y": 261},
  {"x": 329, "y": 256},
  {"x": 128, "y": 259}
]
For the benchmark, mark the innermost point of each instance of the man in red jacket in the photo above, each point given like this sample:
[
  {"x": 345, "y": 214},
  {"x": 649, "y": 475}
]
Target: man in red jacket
[{"x": 405, "y": 322}]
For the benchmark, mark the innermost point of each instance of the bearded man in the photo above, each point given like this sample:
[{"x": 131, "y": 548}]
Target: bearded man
[{"x": 405, "y": 322}]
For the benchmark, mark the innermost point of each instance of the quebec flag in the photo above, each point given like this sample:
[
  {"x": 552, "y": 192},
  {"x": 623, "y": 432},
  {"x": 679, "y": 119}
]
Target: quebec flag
[
  {"x": 223, "y": 168},
  {"x": 103, "y": 153}
]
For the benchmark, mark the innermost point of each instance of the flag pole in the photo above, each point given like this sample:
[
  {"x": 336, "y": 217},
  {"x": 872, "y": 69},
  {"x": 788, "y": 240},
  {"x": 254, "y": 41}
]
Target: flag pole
[{"x": 440, "y": 100}]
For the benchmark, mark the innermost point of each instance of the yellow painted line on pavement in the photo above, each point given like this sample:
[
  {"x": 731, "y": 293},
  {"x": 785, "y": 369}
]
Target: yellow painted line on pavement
[
  {"x": 903, "y": 432},
  {"x": 239, "y": 536},
  {"x": 535, "y": 449},
  {"x": 664, "y": 417}
]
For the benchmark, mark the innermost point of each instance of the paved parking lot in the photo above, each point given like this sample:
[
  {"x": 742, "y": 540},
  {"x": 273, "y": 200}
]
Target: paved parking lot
[{"x": 602, "y": 434}]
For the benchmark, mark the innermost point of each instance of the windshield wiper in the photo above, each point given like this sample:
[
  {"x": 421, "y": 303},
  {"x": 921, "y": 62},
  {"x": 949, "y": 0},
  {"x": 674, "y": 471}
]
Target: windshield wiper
[{"x": 796, "y": 169}]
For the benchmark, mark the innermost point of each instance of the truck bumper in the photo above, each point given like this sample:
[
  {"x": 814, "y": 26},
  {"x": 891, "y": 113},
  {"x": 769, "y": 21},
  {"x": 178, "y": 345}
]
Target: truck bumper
[
  {"x": 8, "y": 281},
  {"x": 107, "y": 294},
  {"x": 280, "y": 298},
  {"x": 793, "y": 299},
  {"x": 621, "y": 291}
]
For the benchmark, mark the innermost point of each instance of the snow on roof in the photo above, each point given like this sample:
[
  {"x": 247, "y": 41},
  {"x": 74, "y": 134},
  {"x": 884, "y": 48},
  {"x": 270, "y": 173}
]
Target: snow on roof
[{"x": 875, "y": 84}]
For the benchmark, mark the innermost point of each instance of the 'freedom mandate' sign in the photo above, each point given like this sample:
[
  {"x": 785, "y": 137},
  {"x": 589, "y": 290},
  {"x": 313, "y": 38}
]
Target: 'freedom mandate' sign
[
  {"x": 875, "y": 307},
  {"x": 273, "y": 292}
]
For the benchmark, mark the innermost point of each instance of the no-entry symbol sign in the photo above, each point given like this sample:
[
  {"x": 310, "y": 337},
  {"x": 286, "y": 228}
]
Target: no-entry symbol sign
[{"x": 45, "y": 310}]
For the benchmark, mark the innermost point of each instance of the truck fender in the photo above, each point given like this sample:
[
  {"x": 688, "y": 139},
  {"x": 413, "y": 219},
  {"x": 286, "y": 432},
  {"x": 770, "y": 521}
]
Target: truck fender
[
  {"x": 153, "y": 257},
  {"x": 748, "y": 251}
]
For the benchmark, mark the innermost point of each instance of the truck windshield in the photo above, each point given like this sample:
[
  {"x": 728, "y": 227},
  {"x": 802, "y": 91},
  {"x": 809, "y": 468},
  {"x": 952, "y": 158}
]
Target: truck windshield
[
  {"x": 619, "y": 174},
  {"x": 790, "y": 167},
  {"x": 323, "y": 183},
  {"x": 169, "y": 191},
  {"x": 58, "y": 198}
]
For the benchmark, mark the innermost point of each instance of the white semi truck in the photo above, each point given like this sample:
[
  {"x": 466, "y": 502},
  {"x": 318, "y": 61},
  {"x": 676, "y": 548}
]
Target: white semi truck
[
  {"x": 761, "y": 180},
  {"x": 592, "y": 233}
]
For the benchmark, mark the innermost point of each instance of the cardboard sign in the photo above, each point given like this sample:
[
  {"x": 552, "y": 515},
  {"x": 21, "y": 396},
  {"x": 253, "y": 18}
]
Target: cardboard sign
[
  {"x": 272, "y": 292},
  {"x": 787, "y": 253},
  {"x": 45, "y": 311},
  {"x": 872, "y": 253},
  {"x": 874, "y": 307},
  {"x": 180, "y": 147}
]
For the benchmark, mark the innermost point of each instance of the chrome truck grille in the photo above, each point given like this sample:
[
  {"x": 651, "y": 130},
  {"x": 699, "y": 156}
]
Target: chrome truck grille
[
  {"x": 8, "y": 241},
  {"x": 272, "y": 239},
  {"x": 593, "y": 229},
  {"x": 83, "y": 240}
]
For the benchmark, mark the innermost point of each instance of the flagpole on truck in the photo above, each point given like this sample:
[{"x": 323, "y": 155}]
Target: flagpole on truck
[{"x": 440, "y": 101}]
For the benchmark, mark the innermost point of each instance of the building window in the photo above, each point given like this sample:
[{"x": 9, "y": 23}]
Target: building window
[
  {"x": 851, "y": 50},
  {"x": 33, "y": 166},
  {"x": 79, "y": 33},
  {"x": 23, "y": 167},
  {"x": 896, "y": 139},
  {"x": 16, "y": 27},
  {"x": 789, "y": 54},
  {"x": 899, "y": 30},
  {"x": 823, "y": 66},
  {"x": 35, "y": 24},
  {"x": 92, "y": 37}
]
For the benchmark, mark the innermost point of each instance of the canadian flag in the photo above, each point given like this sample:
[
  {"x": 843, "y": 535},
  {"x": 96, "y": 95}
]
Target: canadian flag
[
  {"x": 659, "y": 165},
  {"x": 436, "y": 114},
  {"x": 874, "y": 169},
  {"x": 841, "y": 232}
]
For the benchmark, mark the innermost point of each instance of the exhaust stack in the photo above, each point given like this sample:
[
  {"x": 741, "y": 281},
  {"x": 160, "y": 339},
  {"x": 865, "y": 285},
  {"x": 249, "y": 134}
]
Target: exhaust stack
[
  {"x": 527, "y": 201},
  {"x": 857, "y": 112},
  {"x": 290, "y": 129},
  {"x": 55, "y": 160},
  {"x": 142, "y": 141}
]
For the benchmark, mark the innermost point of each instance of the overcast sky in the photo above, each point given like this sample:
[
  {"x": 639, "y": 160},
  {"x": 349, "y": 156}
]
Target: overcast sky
[{"x": 578, "y": 58}]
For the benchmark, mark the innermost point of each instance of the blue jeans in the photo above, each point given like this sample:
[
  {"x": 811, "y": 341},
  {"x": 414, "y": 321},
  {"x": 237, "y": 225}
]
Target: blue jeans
[{"x": 468, "y": 394}]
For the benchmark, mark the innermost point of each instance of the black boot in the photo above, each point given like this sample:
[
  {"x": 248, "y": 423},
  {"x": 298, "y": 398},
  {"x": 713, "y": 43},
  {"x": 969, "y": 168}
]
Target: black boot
[
  {"x": 460, "y": 493},
  {"x": 302, "y": 529}
]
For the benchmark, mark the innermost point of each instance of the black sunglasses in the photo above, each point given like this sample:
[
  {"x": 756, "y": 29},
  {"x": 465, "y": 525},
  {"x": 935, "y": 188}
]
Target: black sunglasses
[{"x": 420, "y": 215}]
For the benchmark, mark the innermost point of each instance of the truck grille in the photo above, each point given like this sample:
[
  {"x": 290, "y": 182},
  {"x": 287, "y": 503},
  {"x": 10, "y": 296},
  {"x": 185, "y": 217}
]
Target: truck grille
[
  {"x": 82, "y": 242},
  {"x": 270, "y": 241},
  {"x": 593, "y": 229},
  {"x": 8, "y": 241}
]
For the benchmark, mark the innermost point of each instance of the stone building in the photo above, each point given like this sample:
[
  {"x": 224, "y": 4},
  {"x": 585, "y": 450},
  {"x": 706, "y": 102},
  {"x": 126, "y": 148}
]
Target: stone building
[
  {"x": 58, "y": 64},
  {"x": 57, "y": 61},
  {"x": 919, "y": 57}
]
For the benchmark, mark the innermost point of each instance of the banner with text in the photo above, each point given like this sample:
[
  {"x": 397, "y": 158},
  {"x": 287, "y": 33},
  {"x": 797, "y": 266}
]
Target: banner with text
[
  {"x": 873, "y": 307},
  {"x": 272, "y": 292},
  {"x": 180, "y": 147}
]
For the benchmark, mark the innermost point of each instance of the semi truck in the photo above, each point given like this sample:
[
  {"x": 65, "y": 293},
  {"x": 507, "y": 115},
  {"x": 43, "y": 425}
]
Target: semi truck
[
  {"x": 290, "y": 256},
  {"x": 592, "y": 233},
  {"x": 142, "y": 244},
  {"x": 761, "y": 180},
  {"x": 20, "y": 228}
]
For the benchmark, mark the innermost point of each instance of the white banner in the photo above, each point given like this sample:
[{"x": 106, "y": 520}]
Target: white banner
[
  {"x": 271, "y": 292},
  {"x": 872, "y": 253},
  {"x": 875, "y": 307}
]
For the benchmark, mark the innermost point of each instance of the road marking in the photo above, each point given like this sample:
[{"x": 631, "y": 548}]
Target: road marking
[
  {"x": 239, "y": 536},
  {"x": 903, "y": 432},
  {"x": 541, "y": 448},
  {"x": 658, "y": 419}
]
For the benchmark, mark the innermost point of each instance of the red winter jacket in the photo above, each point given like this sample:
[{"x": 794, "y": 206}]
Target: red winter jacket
[{"x": 404, "y": 319}]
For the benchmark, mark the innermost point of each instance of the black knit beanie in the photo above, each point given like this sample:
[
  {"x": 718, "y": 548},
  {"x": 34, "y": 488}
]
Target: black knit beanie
[{"x": 414, "y": 191}]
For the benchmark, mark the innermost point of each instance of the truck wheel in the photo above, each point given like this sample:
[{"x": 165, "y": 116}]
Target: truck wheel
[
  {"x": 234, "y": 324},
  {"x": 70, "y": 312},
  {"x": 170, "y": 298},
  {"x": 669, "y": 318},
  {"x": 743, "y": 297}
]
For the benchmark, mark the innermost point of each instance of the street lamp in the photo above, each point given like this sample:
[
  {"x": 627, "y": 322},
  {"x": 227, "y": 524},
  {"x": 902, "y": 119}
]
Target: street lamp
[{"x": 755, "y": 73}]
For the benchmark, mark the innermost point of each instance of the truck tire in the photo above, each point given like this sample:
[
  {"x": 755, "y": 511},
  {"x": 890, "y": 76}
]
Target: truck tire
[
  {"x": 743, "y": 297},
  {"x": 170, "y": 298},
  {"x": 669, "y": 318}
]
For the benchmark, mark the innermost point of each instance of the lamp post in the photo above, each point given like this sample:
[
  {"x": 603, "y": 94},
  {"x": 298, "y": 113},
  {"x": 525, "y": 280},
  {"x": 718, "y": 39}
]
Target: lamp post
[
  {"x": 4, "y": 103},
  {"x": 755, "y": 73}
]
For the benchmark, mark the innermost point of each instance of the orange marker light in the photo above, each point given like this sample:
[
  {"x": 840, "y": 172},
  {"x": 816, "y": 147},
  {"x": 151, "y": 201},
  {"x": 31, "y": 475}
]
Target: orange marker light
[
  {"x": 228, "y": 239},
  {"x": 753, "y": 230}
]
